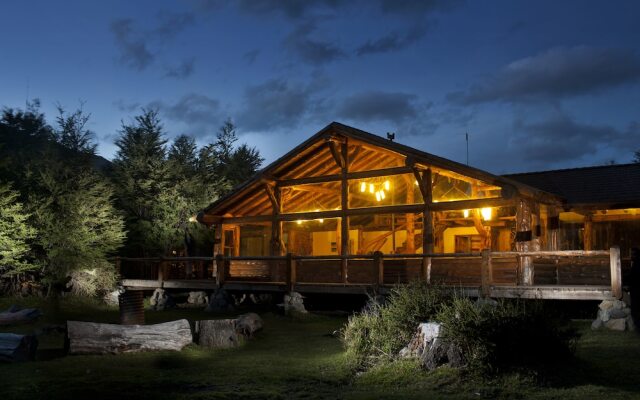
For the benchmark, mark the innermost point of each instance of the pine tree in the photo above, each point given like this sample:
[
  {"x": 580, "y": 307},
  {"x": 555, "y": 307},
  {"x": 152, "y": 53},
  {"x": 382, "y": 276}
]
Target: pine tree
[
  {"x": 73, "y": 133},
  {"x": 15, "y": 234}
]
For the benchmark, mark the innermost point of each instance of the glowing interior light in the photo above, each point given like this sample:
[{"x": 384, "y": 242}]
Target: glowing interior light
[
  {"x": 465, "y": 213},
  {"x": 387, "y": 185},
  {"x": 378, "y": 196},
  {"x": 193, "y": 219},
  {"x": 321, "y": 220},
  {"x": 382, "y": 194},
  {"x": 363, "y": 187},
  {"x": 299, "y": 222},
  {"x": 415, "y": 182},
  {"x": 371, "y": 188},
  {"x": 486, "y": 213}
]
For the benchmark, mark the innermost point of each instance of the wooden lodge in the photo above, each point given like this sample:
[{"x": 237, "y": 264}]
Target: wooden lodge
[{"x": 346, "y": 211}]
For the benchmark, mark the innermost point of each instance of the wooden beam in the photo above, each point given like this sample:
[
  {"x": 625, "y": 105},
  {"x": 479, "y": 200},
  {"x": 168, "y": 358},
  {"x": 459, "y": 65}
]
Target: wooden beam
[
  {"x": 427, "y": 216},
  {"x": 470, "y": 204},
  {"x": 275, "y": 204},
  {"x": 587, "y": 233},
  {"x": 344, "y": 197},
  {"x": 616, "y": 272},
  {"x": 337, "y": 153},
  {"x": 351, "y": 175},
  {"x": 354, "y": 155},
  {"x": 486, "y": 273},
  {"x": 523, "y": 241}
]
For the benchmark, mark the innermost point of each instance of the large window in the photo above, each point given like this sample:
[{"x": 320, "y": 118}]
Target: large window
[
  {"x": 388, "y": 233},
  {"x": 313, "y": 197},
  {"x": 449, "y": 186},
  {"x": 384, "y": 191},
  {"x": 317, "y": 237}
]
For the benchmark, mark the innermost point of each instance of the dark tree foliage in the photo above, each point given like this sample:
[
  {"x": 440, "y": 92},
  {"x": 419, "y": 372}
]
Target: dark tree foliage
[
  {"x": 73, "y": 133},
  {"x": 636, "y": 156}
]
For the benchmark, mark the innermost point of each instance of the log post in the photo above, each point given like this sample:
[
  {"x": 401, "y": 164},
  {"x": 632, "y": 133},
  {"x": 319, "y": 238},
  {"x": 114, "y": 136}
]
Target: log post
[
  {"x": 425, "y": 270},
  {"x": 378, "y": 266},
  {"x": 587, "y": 235},
  {"x": 291, "y": 272},
  {"x": 486, "y": 273},
  {"x": 553, "y": 225},
  {"x": 161, "y": 271},
  {"x": 616, "y": 272},
  {"x": 220, "y": 269},
  {"x": 131, "y": 304},
  {"x": 523, "y": 242},
  {"x": 344, "y": 234}
]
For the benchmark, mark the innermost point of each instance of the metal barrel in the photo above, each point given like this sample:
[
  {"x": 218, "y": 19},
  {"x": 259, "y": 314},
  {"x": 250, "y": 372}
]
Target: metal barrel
[{"x": 131, "y": 307}]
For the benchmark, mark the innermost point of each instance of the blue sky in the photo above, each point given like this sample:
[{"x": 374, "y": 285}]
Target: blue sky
[{"x": 536, "y": 84}]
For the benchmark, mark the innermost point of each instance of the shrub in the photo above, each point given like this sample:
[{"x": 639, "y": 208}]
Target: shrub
[
  {"x": 508, "y": 334},
  {"x": 93, "y": 281},
  {"x": 379, "y": 332}
]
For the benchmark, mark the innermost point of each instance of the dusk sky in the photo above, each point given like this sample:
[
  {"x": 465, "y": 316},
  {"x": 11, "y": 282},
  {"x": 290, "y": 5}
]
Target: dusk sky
[{"x": 536, "y": 84}]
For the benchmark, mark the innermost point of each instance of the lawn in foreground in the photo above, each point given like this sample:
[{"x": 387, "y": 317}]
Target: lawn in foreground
[{"x": 293, "y": 359}]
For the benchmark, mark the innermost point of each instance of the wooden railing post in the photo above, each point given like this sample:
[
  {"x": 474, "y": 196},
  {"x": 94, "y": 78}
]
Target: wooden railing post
[
  {"x": 616, "y": 272},
  {"x": 118, "y": 266},
  {"x": 425, "y": 271},
  {"x": 220, "y": 269},
  {"x": 378, "y": 266},
  {"x": 161, "y": 271},
  {"x": 486, "y": 278},
  {"x": 291, "y": 272}
]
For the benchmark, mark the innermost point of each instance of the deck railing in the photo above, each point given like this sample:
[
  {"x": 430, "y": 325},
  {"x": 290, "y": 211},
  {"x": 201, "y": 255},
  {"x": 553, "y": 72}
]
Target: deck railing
[{"x": 487, "y": 271}]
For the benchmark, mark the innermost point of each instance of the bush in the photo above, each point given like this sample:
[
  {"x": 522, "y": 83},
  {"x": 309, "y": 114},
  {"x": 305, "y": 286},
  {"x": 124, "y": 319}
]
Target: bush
[
  {"x": 379, "y": 332},
  {"x": 94, "y": 281},
  {"x": 508, "y": 334}
]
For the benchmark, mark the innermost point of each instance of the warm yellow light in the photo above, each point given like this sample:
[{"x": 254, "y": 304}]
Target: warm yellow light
[
  {"x": 465, "y": 213},
  {"x": 415, "y": 182},
  {"x": 299, "y": 222},
  {"x": 363, "y": 187},
  {"x": 387, "y": 185},
  {"x": 193, "y": 219},
  {"x": 321, "y": 220},
  {"x": 371, "y": 188},
  {"x": 382, "y": 196},
  {"x": 486, "y": 213},
  {"x": 377, "y": 196}
]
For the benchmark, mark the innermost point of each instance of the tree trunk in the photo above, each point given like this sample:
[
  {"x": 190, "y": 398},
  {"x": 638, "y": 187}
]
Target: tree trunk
[
  {"x": 15, "y": 316},
  {"x": 218, "y": 334},
  {"x": 94, "y": 338},
  {"x": 17, "y": 347}
]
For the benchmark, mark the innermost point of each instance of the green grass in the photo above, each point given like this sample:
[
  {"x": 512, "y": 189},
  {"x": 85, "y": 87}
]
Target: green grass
[{"x": 293, "y": 359}]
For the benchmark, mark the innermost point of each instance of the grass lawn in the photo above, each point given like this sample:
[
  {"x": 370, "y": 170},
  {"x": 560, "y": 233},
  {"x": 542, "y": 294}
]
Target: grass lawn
[{"x": 292, "y": 359}]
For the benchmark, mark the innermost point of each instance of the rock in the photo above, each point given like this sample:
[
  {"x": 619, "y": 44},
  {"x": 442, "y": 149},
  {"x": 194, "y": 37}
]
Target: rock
[
  {"x": 16, "y": 315},
  {"x": 294, "y": 304},
  {"x": 248, "y": 324},
  {"x": 630, "y": 324},
  {"x": 604, "y": 315},
  {"x": 606, "y": 304},
  {"x": 198, "y": 298},
  {"x": 618, "y": 324},
  {"x": 423, "y": 338},
  {"x": 618, "y": 305},
  {"x": 617, "y": 313},
  {"x": 486, "y": 301},
  {"x": 596, "y": 324},
  {"x": 220, "y": 301},
  {"x": 161, "y": 300},
  {"x": 627, "y": 311},
  {"x": 218, "y": 334},
  {"x": 15, "y": 347},
  {"x": 111, "y": 298},
  {"x": 442, "y": 352},
  {"x": 261, "y": 298}
]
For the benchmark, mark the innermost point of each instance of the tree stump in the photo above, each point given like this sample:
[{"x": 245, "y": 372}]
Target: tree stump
[
  {"x": 94, "y": 338},
  {"x": 15, "y": 347}
]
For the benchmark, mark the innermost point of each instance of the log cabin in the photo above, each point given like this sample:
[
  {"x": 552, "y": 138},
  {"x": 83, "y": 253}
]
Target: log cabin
[{"x": 347, "y": 210}]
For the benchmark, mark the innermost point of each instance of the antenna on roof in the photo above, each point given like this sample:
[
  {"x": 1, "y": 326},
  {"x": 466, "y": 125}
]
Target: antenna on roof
[
  {"x": 391, "y": 136},
  {"x": 466, "y": 136}
]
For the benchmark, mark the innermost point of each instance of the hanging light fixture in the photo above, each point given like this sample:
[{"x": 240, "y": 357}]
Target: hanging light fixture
[
  {"x": 363, "y": 187},
  {"x": 382, "y": 196},
  {"x": 486, "y": 213},
  {"x": 372, "y": 189},
  {"x": 387, "y": 185},
  {"x": 465, "y": 213}
]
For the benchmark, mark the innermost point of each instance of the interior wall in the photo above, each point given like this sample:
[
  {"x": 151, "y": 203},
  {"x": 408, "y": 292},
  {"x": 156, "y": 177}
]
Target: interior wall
[{"x": 449, "y": 234}]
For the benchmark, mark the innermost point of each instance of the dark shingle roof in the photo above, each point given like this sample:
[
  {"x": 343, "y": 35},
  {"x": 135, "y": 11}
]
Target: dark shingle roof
[{"x": 614, "y": 185}]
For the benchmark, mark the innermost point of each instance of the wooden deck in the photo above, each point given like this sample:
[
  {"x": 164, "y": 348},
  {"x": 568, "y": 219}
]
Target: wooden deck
[{"x": 566, "y": 275}]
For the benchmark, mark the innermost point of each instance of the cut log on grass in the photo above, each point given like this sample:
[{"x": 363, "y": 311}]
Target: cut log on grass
[
  {"x": 248, "y": 324},
  {"x": 15, "y": 347},
  {"x": 218, "y": 333},
  {"x": 94, "y": 338},
  {"x": 14, "y": 315}
]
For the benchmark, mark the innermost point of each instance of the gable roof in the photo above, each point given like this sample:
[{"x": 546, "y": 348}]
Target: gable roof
[
  {"x": 421, "y": 157},
  {"x": 613, "y": 186}
]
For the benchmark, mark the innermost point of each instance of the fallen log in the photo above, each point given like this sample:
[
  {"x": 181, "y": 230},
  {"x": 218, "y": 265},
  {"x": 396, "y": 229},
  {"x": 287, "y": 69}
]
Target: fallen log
[
  {"x": 218, "y": 333},
  {"x": 14, "y": 315},
  {"x": 95, "y": 338},
  {"x": 15, "y": 347}
]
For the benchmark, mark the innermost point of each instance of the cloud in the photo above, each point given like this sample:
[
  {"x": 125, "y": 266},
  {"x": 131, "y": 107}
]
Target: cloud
[
  {"x": 274, "y": 104},
  {"x": 559, "y": 72},
  {"x": 293, "y": 9},
  {"x": 123, "y": 106},
  {"x": 172, "y": 23},
  {"x": 182, "y": 71},
  {"x": 381, "y": 106},
  {"x": 416, "y": 7},
  {"x": 199, "y": 112},
  {"x": 133, "y": 49},
  {"x": 560, "y": 138},
  {"x": 251, "y": 56},
  {"x": 392, "y": 42},
  {"x": 310, "y": 50}
]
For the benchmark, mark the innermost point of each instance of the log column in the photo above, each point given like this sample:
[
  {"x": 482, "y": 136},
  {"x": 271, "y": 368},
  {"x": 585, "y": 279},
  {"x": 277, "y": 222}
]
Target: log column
[
  {"x": 217, "y": 246},
  {"x": 587, "y": 236},
  {"x": 553, "y": 226},
  {"x": 344, "y": 226},
  {"x": 523, "y": 242}
]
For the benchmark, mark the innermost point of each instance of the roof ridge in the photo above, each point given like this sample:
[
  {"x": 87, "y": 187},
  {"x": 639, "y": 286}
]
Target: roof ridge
[{"x": 574, "y": 169}]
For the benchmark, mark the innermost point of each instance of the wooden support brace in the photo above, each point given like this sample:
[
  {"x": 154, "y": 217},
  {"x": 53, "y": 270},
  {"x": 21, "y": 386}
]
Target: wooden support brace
[
  {"x": 337, "y": 154},
  {"x": 486, "y": 274},
  {"x": 616, "y": 272},
  {"x": 291, "y": 272},
  {"x": 378, "y": 266},
  {"x": 425, "y": 271},
  {"x": 220, "y": 269}
]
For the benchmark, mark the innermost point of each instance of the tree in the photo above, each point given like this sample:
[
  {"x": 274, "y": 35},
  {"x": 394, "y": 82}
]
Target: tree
[
  {"x": 636, "y": 156},
  {"x": 15, "y": 234},
  {"x": 72, "y": 132}
]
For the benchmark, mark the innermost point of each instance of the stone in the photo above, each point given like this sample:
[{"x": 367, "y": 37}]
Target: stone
[
  {"x": 604, "y": 315},
  {"x": 248, "y": 324},
  {"x": 261, "y": 298},
  {"x": 424, "y": 336},
  {"x": 111, "y": 298},
  {"x": 606, "y": 304},
  {"x": 220, "y": 301},
  {"x": 198, "y": 298},
  {"x": 294, "y": 304},
  {"x": 218, "y": 334},
  {"x": 161, "y": 300},
  {"x": 630, "y": 324},
  {"x": 596, "y": 324},
  {"x": 618, "y": 324},
  {"x": 442, "y": 352},
  {"x": 617, "y": 313},
  {"x": 618, "y": 305}
]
